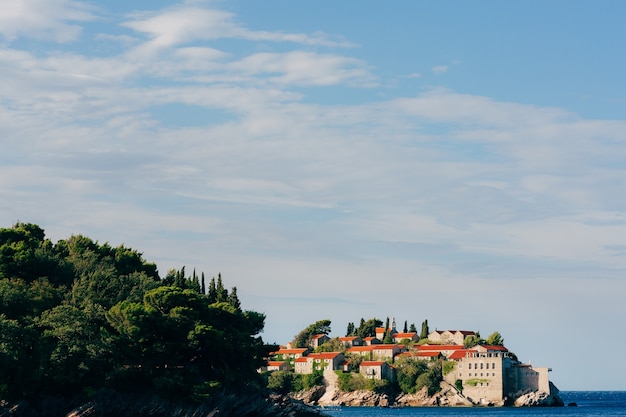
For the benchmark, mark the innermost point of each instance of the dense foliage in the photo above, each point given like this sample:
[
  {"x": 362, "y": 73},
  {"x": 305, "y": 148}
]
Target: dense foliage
[
  {"x": 303, "y": 338},
  {"x": 284, "y": 382},
  {"x": 77, "y": 316}
]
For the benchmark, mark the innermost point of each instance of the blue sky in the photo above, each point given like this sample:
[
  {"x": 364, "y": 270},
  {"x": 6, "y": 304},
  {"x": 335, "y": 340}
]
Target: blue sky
[{"x": 451, "y": 161}]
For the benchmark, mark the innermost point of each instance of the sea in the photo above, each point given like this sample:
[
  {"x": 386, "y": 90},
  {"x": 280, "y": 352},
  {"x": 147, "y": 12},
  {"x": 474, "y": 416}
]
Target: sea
[{"x": 588, "y": 403}]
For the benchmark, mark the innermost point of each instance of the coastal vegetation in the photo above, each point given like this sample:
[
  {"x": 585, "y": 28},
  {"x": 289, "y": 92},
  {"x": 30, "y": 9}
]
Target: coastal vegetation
[{"x": 78, "y": 316}]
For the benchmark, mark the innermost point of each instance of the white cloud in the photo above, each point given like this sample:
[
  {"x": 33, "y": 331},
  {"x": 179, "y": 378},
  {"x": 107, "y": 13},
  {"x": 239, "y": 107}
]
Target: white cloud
[
  {"x": 439, "y": 69},
  {"x": 180, "y": 25},
  {"x": 43, "y": 19},
  {"x": 305, "y": 68}
]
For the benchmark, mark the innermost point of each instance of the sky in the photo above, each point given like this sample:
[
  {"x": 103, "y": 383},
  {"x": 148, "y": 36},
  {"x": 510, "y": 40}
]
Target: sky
[{"x": 460, "y": 162}]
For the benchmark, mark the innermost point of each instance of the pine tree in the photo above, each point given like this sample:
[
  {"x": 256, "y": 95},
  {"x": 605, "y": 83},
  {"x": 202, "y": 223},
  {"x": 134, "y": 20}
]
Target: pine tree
[
  {"x": 203, "y": 284},
  {"x": 221, "y": 291},
  {"x": 424, "y": 333},
  {"x": 212, "y": 296},
  {"x": 233, "y": 300},
  {"x": 405, "y": 329},
  {"x": 350, "y": 329}
]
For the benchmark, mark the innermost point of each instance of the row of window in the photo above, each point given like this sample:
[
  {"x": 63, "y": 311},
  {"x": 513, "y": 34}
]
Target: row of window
[
  {"x": 476, "y": 374},
  {"x": 482, "y": 366}
]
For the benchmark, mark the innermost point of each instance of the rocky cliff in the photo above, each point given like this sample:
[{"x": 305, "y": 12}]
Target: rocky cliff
[
  {"x": 539, "y": 398},
  {"x": 448, "y": 396},
  {"x": 114, "y": 404}
]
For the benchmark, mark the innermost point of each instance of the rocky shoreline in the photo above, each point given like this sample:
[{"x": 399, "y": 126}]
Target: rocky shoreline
[
  {"x": 448, "y": 396},
  {"x": 115, "y": 404}
]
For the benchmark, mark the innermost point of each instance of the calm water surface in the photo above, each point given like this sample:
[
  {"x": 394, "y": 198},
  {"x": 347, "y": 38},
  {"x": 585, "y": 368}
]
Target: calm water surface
[{"x": 590, "y": 403}]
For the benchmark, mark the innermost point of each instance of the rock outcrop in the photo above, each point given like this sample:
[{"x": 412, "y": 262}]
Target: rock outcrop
[
  {"x": 448, "y": 396},
  {"x": 539, "y": 398},
  {"x": 114, "y": 404}
]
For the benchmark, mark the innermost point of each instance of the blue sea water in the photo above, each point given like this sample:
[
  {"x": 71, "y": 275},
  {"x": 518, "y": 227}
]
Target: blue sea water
[{"x": 589, "y": 404}]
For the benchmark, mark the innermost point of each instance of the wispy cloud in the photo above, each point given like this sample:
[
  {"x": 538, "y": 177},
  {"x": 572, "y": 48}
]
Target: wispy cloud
[
  {"x": 49, "y": 20},
  {"x": 439, "y": 69}
]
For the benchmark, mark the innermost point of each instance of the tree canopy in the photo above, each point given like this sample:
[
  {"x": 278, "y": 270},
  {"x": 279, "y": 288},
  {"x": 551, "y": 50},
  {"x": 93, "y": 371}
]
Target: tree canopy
[
  {"x": 303, "y": 338},
  {"x": 78, "y": 315}
]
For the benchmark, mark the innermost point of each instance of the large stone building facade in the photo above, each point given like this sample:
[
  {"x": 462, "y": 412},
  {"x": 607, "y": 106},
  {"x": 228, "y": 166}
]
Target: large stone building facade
[{"x": 489, "y": 375}]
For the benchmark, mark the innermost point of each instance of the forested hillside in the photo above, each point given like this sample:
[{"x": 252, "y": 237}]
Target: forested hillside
[{"x": 77, "y": 316}]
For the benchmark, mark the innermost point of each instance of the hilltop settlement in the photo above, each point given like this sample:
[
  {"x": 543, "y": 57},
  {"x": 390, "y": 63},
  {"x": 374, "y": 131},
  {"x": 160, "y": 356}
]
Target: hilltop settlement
[{"x": 404, "y": 368}]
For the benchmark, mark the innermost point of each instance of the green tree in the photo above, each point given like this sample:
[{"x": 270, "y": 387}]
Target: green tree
[
  {"x": 281, "y": 382},
  {"x": 303, "y": 338},
  {"x": 408, "y": 370},
  {"x": 425, "y": 330},
  {"x": 20, "y": 375},
  {"x": 431, "y": 379},
  {"x": 495, "y": 339},
  {"x": 472, "y": 340},
  {"x": 76, "y": 355},
  {"x": 368, "y": 328},
  {"x": 350, "y": 329},
  {"x": 332, "y": 345}
]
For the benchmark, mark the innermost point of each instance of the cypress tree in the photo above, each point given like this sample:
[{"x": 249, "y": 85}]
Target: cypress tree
[{"x": 212, "y": 291}]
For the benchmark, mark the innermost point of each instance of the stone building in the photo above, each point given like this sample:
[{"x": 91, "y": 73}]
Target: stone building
[{"x": 489, "y": 375}]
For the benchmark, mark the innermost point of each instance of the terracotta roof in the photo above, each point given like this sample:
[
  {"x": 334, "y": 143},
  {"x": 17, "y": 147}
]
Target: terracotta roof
[
  {"x": 302, "y": 359},
  {"x": 324, "y": 355},
  {"x": 427, "y": 354},
  {"x": 348, "y": 338},
  {"x": 378, "y": 347},
  {"x": 372, "y": 363},
  {"x": 440, "y": 347},
  {"x": 460, "y": 354},
  {"x": 405, "y": 335},
  {"x": 495, "y": 347},
  {"x": 318, "y": 336},
  {"x": 362, "y": 348},
  {"x": 282, "y": 351},
  {"x": 274, "y": 363}
]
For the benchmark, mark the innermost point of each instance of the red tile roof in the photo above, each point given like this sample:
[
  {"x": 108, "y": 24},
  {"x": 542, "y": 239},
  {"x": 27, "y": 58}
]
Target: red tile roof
[
  {"x": 460, "y": 354},
  {"x": 372, "y": 363},
  {"x": 427, "y": 354},
  {"x": 384, "y": 347},
  {"x": 324, "y": 355},
  {"x": 362, "y": 348},
  {"x": 405, "y": 335},
  {"x": 283, "y": 351},
  {"x": 440, "y": 347},
  {"x": 495, "y": 347}
]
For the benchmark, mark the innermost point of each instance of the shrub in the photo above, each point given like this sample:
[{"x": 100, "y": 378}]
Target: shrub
[
  {"x": 281, "y": 382},
  {"x": 311, "y": 380},
  {"x": 448, "y": 366},
  {"x": 459, "y": 385}
]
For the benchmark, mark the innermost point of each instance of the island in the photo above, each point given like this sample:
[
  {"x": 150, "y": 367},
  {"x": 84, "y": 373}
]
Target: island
[{"x": 375, "y": 365}]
